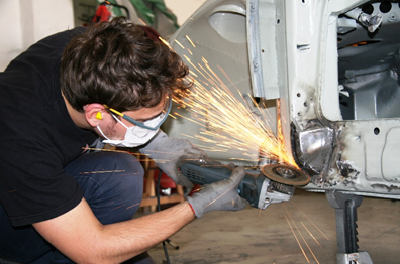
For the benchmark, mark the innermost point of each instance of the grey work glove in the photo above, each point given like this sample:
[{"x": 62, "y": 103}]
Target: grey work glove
[
  {"x": 219, "y": 196},
  {"x": 170, "y": 153}
]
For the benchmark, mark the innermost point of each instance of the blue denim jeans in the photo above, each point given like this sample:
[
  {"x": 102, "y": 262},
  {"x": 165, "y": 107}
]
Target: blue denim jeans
[{"x": 113, "y": 193}]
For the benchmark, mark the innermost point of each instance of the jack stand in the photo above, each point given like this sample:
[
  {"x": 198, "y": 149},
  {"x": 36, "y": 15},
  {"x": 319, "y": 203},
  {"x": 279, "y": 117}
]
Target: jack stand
[{"x": 345, "y": 206}]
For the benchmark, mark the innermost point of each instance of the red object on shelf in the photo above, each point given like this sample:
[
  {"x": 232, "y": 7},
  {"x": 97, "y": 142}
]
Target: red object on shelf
[
  {"x": 166, "y": 181},
  {"x": 102, "y": 14}
]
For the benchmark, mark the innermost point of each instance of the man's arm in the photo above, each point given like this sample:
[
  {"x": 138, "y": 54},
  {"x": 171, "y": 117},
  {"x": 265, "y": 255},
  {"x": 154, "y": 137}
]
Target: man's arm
[{"x": 81, "y": 237}]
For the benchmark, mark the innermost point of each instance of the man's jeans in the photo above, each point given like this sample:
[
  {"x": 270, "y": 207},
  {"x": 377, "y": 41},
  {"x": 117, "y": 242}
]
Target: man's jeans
[{"x": 112, "y": 183}]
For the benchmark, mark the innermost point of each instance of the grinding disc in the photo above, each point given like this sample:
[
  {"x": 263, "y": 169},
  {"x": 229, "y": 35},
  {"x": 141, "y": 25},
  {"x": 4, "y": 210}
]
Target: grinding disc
[{"x": 285, "y": 174}]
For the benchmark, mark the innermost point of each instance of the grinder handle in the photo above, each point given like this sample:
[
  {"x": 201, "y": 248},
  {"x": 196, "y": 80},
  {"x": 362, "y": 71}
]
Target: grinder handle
[
  {"x": 249, "y": 188},
  {"x": 205, "y": 174}
]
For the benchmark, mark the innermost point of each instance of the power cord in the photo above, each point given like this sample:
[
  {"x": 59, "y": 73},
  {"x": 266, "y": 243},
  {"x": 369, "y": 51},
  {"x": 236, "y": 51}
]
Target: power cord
[{"x": 159, "y": 210}]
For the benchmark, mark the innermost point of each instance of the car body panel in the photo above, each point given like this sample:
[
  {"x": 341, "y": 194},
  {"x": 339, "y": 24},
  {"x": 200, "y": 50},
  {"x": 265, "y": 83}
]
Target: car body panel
[{"x": 331, "y": 83}]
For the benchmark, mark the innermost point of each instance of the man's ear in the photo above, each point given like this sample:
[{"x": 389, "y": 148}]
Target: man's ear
[{"x": 94, "y": 114}]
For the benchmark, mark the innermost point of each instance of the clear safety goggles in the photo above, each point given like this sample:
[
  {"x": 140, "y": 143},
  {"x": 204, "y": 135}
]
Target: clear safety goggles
[{"x": 142, "y": 128}]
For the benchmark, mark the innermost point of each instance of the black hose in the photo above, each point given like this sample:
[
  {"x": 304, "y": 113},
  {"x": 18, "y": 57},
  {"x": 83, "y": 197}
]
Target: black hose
[{"x": 159, "y": 210}]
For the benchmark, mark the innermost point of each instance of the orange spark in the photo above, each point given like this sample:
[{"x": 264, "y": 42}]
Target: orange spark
[
  {"x": 305, "y": 242},
  {"x": 118, "y": 207},
  {"x": 222, "y": 194},
  {"x": 309, "y": 220},
  {"x": 179, "y": 44},
  {"x": 132, "y": 206},
  {"x": 311, "y": 235},
  {"x": 102, "y": 171},
  {"x": 191, "y": 42},
  {"x": 298, "y": 242},
  {"x": 165, "y": 42},
  {"x": 10, "y": 191},
  {"x": 104, "y": 149}
]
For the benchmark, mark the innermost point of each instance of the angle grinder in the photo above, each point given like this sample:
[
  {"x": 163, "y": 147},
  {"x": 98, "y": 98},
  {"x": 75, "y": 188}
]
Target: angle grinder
[{"x": 274, "y": 184}]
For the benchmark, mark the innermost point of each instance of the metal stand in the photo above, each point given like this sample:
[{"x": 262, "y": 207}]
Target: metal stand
[{"x": 345, "y": 206}]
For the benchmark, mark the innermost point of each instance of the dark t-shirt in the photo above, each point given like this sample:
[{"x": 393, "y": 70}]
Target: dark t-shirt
[{"x": 37, "y": 136}]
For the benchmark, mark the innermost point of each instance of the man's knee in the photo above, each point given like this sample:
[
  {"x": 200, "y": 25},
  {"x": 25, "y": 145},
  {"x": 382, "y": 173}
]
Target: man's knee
[
  {"x": 127, "y": 179},
  {"x": 124, "y": 161},
  {"x": 112, "y": 183},
  {"x": 124, "y": 190}
]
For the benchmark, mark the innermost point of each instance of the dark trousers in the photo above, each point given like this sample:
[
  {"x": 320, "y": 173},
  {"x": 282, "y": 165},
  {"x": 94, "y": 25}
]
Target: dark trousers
[{"x": 112, "y": 183}]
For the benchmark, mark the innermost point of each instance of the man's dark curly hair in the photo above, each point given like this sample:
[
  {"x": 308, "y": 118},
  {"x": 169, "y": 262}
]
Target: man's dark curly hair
[{"x": 115, "y": 64}]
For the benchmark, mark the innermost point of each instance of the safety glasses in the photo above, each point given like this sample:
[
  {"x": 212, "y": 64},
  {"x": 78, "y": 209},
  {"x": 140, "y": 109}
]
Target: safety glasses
[{"x": 152, "y": 124}]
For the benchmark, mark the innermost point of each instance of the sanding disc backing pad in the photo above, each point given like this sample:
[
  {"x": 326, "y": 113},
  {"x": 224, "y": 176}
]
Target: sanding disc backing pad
[{"x": 285, "y": 174}]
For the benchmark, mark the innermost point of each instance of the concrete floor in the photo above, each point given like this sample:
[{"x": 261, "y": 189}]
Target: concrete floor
[{"x": 300, "y": 231}]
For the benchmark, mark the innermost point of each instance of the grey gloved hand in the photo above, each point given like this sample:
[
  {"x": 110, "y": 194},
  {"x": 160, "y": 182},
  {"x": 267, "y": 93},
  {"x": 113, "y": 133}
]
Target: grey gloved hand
[
  {"x": 219, "y": 196},
  {"x": 169, "y": 153}
]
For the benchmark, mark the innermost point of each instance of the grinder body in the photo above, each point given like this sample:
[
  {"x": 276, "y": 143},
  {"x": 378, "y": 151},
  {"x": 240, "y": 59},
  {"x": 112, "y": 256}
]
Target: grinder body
[{"x": 255, "y": 187}]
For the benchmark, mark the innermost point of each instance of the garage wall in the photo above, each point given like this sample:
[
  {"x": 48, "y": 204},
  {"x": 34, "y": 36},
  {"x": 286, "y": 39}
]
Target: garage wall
[
  {"x": 183, "y": 11},
  {"x": 24, "y": 22}
]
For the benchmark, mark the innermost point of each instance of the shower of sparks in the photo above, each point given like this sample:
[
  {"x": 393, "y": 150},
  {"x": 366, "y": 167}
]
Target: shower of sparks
[
  {"x": 305, "y": 242},
  {"x": 298, "y": 242},
  {"x": 310, "y": 220},
  {"x": 228, "y": 124},
  {"x": 302, "y": 237}
]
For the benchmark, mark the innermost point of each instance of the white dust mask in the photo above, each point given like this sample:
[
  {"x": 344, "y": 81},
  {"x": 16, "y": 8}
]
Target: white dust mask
[
  {"x": 141, "y": 132},
  {"x": 134, "y": 136}
]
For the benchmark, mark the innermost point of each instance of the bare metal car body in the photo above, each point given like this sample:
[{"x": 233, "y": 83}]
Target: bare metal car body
[
  {"x": 337, "y": 82},
  {"x": 332, "y": 65}
]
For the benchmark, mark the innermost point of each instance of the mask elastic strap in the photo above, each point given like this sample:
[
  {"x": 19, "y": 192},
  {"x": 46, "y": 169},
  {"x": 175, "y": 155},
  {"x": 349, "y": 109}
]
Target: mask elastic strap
[
  {"x": 101, "y": 132},
  {"x": 119, "y": 121}
]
